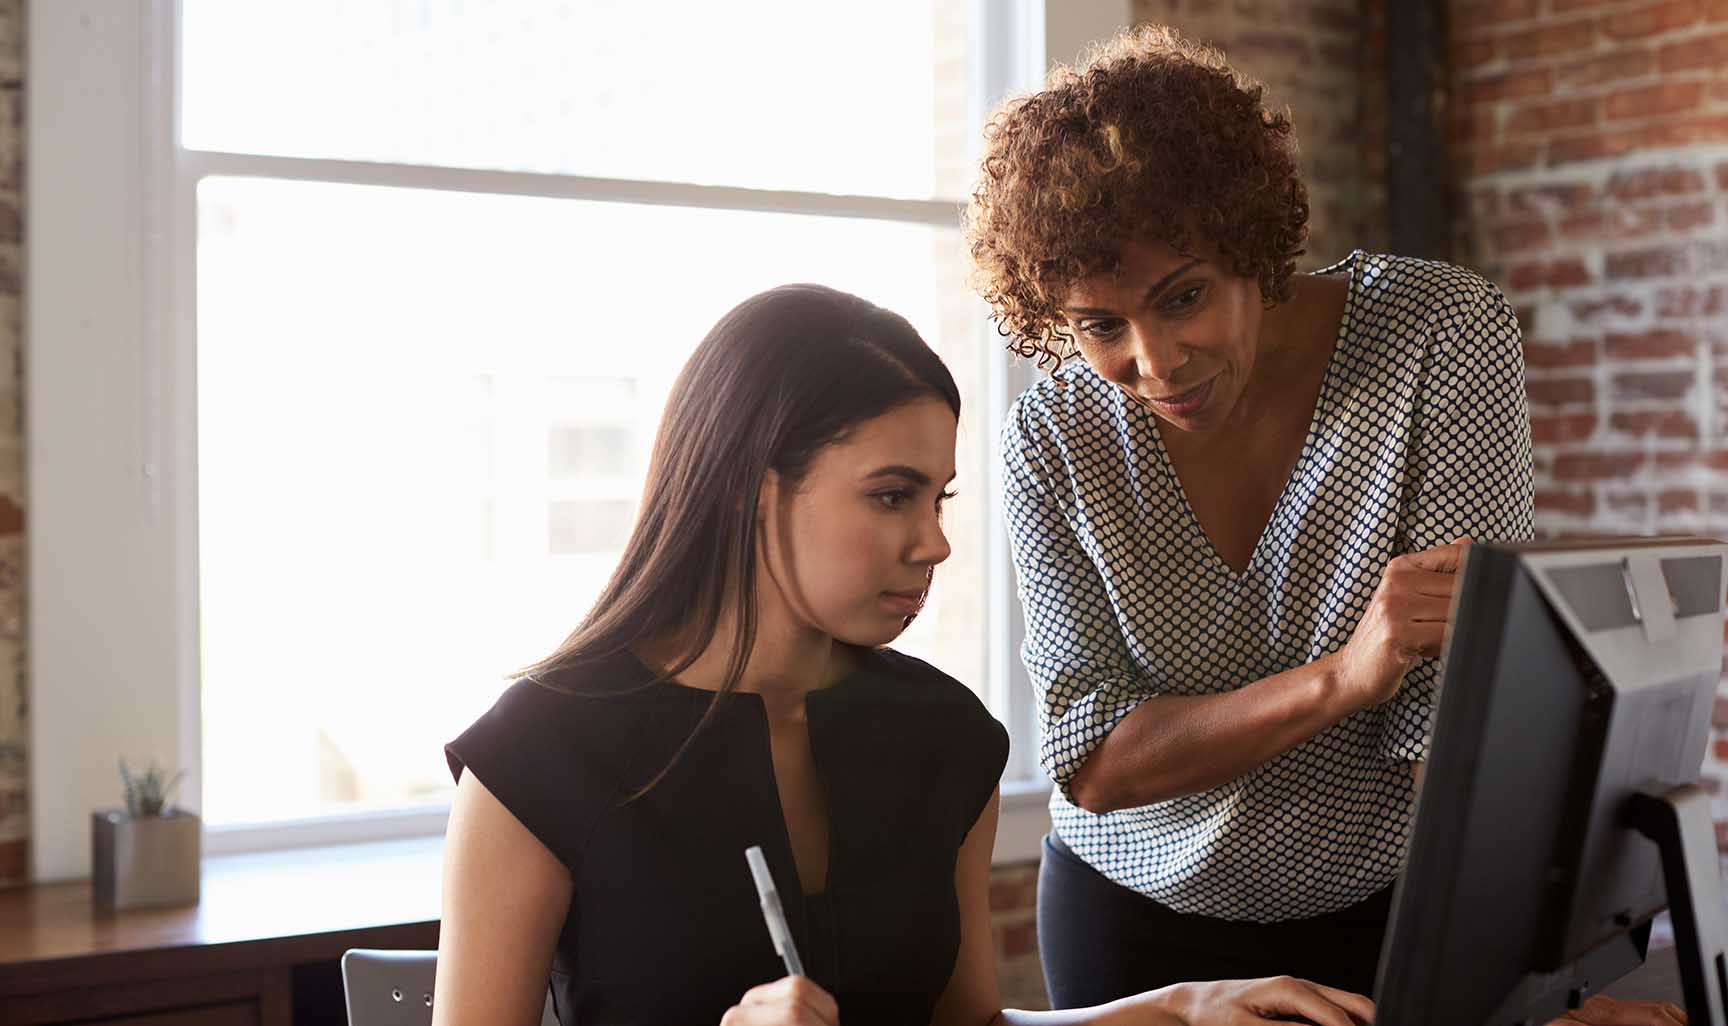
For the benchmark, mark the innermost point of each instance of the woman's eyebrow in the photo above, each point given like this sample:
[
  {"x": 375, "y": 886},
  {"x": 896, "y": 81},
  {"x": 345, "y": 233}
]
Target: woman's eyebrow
[
  {"x": 1151, "y": 294},
  {"x": 912, "y": 474}
]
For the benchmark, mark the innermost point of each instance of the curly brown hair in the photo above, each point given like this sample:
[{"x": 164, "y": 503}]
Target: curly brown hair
[{"x": 1151, "y": 137}]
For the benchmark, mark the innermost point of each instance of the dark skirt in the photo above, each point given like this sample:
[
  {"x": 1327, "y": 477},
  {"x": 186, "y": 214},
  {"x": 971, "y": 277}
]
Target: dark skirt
[{"x": 1100, "y": 941}]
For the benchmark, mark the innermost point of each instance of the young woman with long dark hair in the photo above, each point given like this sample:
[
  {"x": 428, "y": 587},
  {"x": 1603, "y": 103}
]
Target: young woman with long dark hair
[{"x": 729, "y": 689}]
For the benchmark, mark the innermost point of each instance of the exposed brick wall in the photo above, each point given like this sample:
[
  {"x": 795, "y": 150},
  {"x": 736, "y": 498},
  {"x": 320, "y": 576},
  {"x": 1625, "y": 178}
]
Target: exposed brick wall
[
  {"x": 1014, "y": 924},
  {"x": 1320, "y": 59},
  {"x": 1590, "y": 144},
  {"x": 14, "y": 821}
]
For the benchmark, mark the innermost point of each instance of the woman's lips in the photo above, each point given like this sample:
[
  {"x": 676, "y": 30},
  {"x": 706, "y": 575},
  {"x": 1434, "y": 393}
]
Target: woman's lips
[
  {"x": 1183, "y": 403},
  {"x": 906, "y": 602}
]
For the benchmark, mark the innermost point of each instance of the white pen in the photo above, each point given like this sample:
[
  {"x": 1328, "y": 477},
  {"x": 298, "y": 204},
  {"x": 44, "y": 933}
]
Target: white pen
[{"x": 772, "y": 912}]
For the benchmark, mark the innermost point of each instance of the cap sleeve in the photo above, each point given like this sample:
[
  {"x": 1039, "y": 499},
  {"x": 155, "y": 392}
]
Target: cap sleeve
[{"x": 552, "y": 759}]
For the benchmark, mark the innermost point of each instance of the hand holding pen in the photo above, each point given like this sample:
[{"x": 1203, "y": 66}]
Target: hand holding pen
[{"x": 793, "y": 1000}]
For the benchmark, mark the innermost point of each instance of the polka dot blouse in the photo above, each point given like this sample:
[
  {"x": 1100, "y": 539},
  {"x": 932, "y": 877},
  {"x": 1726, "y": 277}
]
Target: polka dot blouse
[{"x": 1421, "y": 434}]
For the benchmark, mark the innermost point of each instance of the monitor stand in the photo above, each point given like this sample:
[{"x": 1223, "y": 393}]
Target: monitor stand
[{"x": 1679, "y": 822}]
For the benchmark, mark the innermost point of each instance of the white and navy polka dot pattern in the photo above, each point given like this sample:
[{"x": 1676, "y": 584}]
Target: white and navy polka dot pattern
[{"x": 1421, "y": 434}]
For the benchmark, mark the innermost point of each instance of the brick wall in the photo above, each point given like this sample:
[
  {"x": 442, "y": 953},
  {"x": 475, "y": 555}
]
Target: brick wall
[
  {"x": 1590, "y": 147},
  {"x": 14, "y": 829}
]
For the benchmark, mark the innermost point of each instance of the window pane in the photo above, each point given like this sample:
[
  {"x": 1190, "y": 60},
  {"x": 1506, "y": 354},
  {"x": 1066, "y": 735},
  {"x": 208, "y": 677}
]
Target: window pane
[
  {"x": 578, "y": 452},
  {"x": 578, "y": 527},
  {"x": 796, "y": 94},
  {"x": 423, "y": 422}
]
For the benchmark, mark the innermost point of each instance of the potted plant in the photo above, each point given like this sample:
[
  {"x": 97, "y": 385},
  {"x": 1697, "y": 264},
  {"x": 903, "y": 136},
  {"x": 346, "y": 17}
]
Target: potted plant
[{"x": 146, "y": 854}]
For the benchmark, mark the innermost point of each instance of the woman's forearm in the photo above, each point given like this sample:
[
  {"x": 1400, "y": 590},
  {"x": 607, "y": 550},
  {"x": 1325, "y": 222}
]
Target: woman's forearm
[{"x": 1172, "y": 745}]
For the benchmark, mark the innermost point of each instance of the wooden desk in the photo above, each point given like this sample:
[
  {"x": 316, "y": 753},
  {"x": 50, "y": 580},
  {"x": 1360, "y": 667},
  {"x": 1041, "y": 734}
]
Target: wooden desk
[{"x": 261, "y": 948}]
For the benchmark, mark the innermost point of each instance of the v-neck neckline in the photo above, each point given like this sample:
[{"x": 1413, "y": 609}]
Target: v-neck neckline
[
  {"x": 865, "y": 666},
  {"x": 1303, "y": 457}
]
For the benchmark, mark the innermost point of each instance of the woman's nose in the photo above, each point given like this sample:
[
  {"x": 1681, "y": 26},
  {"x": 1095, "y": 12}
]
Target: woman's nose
[
  {"x": 932, "y": 545},
  {"x": 1157, "y": 355}
]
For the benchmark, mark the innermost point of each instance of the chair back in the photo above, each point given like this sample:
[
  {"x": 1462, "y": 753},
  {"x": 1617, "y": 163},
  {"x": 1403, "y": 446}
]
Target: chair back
[{"x": 394, "y": 988}]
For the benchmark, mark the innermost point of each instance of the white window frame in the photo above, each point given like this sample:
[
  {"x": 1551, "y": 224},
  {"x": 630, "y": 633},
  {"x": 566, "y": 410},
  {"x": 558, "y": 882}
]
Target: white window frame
[{"x": 110, "y": 397}]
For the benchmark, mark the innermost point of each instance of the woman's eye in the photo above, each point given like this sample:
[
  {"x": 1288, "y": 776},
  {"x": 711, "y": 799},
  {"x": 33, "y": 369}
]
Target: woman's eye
[
  {"x": 892, "y": 500},
  {"x": 1185, "y": 299},
  {"x": 1099, "y": 330}
]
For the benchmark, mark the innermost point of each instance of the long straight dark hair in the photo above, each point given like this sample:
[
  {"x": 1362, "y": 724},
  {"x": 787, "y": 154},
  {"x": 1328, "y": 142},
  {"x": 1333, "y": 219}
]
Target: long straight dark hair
[{"x": 783, "y": 374}]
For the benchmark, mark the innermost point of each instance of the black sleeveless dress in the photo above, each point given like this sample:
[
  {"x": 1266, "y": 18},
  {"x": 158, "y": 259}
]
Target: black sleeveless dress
[{"x": 664, "y": 926}]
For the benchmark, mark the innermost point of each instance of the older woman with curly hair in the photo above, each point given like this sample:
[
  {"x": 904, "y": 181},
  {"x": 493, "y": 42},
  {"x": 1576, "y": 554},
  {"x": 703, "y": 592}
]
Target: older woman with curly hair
[{"x": 1236, "y": 520}]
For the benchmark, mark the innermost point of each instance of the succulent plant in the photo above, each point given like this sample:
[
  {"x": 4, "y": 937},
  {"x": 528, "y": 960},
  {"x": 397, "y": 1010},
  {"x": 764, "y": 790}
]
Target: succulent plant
[{"x": 148, "y": 793}]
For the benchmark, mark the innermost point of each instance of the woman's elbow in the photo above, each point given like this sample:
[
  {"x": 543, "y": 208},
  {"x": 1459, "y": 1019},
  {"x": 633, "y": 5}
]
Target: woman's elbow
[{"x": 1089, "y": 789}]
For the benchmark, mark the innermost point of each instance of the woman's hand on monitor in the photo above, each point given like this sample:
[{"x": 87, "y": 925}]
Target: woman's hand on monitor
[{"x": 1404, "y": 624}]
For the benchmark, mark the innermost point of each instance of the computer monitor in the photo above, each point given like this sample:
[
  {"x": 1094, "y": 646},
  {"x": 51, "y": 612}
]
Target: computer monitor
[{"x": 1575, "y": 695}]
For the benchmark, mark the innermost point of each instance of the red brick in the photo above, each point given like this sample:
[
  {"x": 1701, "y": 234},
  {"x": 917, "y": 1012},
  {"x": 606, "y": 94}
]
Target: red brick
[
  {"x": 1619, "y": 305},
  {"x": 1554, "y": 273},
  {"x": 14, "y": 860},
  {"x": 1540, "y": 118},
  {"x": 1646, "y": 263},
  {"x": 1290, "y": 46},
  {"x": 1479, "y": 124},
  {"x": 1596, "y": 466},
  {"x": 1690, "y": 301},
  {"x": 1487, "y": 160},
  {"x": 11, "y": 517},
  {"x": 1677, "y": 500},
  {"x": 1568, "y": 6},
  {"x": 1551, "y": 199},
  {"x": 1514, "y": 85},
  {"x": 1577, "y": 503},
  {"x": 1613, "y": 67},
  {"x": 1697, "y": 53},
  {"x": 1560, "y": 391},
  {"x": 1710, "y": 128},
  {"x": 1013, "y": 893},
  {"x": 1650, "y": 345},
  {"x": 1653, "y": 423},
  {"x": 1719, "y": 713},
  {"x": 1547, "y": 39},
  {"x": 1473, "y": 53},
  {"x": 1661, "y": 181},
  {"x": 1654, "y": 384},
  {"x": 1019, "y": 939},
  {"x": 1613, "y": 223},
  {"x": 1591, "y": 146},
  {"x": 1544, "y": 355},
  {"x": 1634, "y": 504},
  {"x": 1561, "y": 429},
  {"x": 1650, "y": 19},
  {"x": 1494, "y": 12},
  {"x": 1687, "y": 216},
  {"x": 1510, "y": 238},
  {"x": 1654, "y": 101}
]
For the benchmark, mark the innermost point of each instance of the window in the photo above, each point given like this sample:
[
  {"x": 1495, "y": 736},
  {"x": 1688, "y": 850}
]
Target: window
[
  {"x": 347, "y": 462},
  {"x": 385, "y": 345}
]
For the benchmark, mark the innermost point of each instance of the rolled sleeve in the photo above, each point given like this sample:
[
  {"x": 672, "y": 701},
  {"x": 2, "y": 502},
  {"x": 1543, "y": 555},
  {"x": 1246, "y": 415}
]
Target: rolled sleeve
[
  {"x": 1470, "y": 468},
  {"x": 1084, "y": 679}
]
